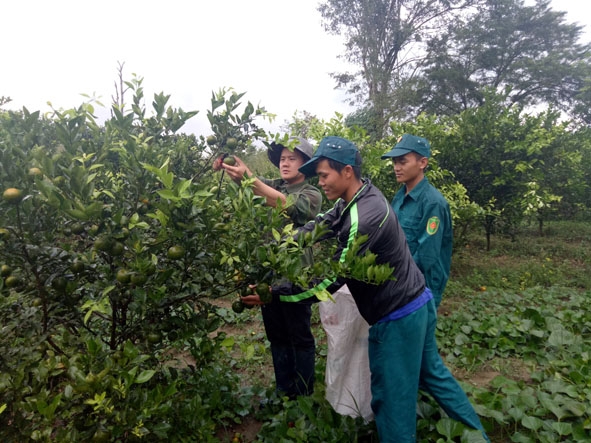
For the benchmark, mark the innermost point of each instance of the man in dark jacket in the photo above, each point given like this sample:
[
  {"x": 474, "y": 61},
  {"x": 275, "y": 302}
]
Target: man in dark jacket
[{"x": 401, "y": 311}]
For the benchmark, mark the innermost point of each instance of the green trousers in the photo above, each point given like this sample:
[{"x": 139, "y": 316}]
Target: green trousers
[{"x": 402, "y": 354}]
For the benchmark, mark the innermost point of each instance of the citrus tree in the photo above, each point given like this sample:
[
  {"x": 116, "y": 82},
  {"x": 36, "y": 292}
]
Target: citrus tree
[{"x": 114, "y": 240}]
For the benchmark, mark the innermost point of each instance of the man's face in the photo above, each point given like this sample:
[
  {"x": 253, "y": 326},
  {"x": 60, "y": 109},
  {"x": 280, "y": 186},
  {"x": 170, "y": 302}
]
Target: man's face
[
  {"x": 333, "y": 183},
  {"x": 289, "y": 162},
  {"x": 409, "y": 168}
]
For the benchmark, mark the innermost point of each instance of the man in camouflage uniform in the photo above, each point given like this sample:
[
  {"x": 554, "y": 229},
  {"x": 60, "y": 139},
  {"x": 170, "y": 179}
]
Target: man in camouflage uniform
[{"x": 288, "y": 324}]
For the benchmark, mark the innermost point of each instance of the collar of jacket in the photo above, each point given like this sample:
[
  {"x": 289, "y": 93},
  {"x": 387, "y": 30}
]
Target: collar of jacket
[
  {"x": 364, "y": 188},
  {"x": 418, "y": 189}
]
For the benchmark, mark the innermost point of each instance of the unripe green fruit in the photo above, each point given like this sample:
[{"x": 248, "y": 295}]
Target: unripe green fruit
[
  {"x": 5, "y": 270},
  {"x": 264, "y": 293},
  {"x": 138, "y": 279},
  {"x": 77, "y": 267},
  {"x": 211, "y": 140},
  {"x": 77, "y": 228},
  {"x": 232, "y": 143},
  {"x": 59, "y": 283},
  {"x": 175, "y": 252},
  {"x": 230, "y": 161},
  {"x": 103, "y": 244},
  {"x": 117, "y": 249},
  {"x": 238, "y": 306},
  {"x": 123, "y": 276}
]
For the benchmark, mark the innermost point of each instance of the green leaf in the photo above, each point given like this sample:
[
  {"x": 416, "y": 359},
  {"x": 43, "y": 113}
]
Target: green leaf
[
  {"x": 158, "y": 215},
  {"x": 450, "y": 428},
  {"x": 576, "y": 408},
  {"x": 144, "y": 376},
  {"x": 130, "y": 375},
  {"x": 528, "y": 398},
  {"x": 472, "y": 436},
  {"x": 249, "y": 353},
  {"x": 92, "y": 347},
  {"x": 276, "y": 235},
  {"x": 228, "y": 342},
  {"x": 183, "y": 188},
  {"x": 516, "y": 414},
  {"x": 102, "y": 305},
  {"x": 561, "y": 337},
  {"x": 533, "y": 423},
  {"x": 48, "y": 410},
  {"x": 518, "y": 437},
  {"x": 161, "y": 430},
  {"x": 324, "y": 295},
  {"x": 165, "y": 177},
  {"x": 562, "y": 428},
  {"x": 77, "y": 214},
  {"x": 500, "y": 381},
  {"x": 168, "y": 194}
]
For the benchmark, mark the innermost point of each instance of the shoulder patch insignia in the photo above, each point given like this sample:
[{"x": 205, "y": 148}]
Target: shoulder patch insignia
[{"x": 432, "y": 225}]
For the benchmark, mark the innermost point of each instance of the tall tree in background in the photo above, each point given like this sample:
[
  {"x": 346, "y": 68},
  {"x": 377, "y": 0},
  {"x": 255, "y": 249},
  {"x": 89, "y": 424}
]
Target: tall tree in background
[
  {"x": 442, "y": 57},
  {"x": 528, "y": 54},
  {"x": 384, "y": 39}
]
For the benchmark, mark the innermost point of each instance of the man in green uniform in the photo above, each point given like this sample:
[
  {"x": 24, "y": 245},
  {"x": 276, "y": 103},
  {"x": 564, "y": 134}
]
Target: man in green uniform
[{"x": 423, "y": 212}]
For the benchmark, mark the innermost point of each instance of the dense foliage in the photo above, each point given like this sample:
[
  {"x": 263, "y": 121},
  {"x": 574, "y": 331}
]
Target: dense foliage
[
  {"x": 514, "y": 326},
  {"x": 116, "y": 240},
  {"x": 119, "y": 245},
  {"x": 107, "y": 261},
  {"x": 444, "y": 57}
]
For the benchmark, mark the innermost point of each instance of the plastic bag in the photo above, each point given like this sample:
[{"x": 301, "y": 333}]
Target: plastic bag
[{"x": 347, "y": 376}]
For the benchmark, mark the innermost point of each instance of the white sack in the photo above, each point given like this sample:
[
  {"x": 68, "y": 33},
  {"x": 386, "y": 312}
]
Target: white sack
[{"x": 347, "y": 363}]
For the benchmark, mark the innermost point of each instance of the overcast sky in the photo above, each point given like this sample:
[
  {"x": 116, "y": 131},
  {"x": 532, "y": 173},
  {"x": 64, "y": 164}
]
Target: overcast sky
[{"x": 274, "y": 50}]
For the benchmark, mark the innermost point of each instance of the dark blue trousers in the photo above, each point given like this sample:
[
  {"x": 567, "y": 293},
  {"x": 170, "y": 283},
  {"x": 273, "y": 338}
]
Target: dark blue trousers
[{"x": 292, "y": 346}]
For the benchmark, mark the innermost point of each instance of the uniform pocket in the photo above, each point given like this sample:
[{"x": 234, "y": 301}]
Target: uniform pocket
[{"x": 412, "y": 227}]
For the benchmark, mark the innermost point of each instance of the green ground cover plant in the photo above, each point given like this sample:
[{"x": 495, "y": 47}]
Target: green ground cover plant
[{"x": 514, "y": 327}]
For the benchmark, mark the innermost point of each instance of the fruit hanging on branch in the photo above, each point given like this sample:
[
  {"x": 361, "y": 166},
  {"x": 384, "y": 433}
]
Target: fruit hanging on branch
[
  {"x": 123, "y": 276},
  {"x": 231, "y": 143},
  {"x": 224, "y": 158},
  {"x": 12, "y": 195},
  {"x": 264, "y": 292},
  {"x": 35, "y": 172},
  {"x": 5, "y": 270},
  {"x": 245, "y": 292},
  {"x": 77, "y": 228},
  {"x": 175, "y": 252},
  {"x": 211, "y": 140},
  {"x": 238, "y": 306},
  {"x": 229, "y": 160},
  {"x": 12, "y": 281}
]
